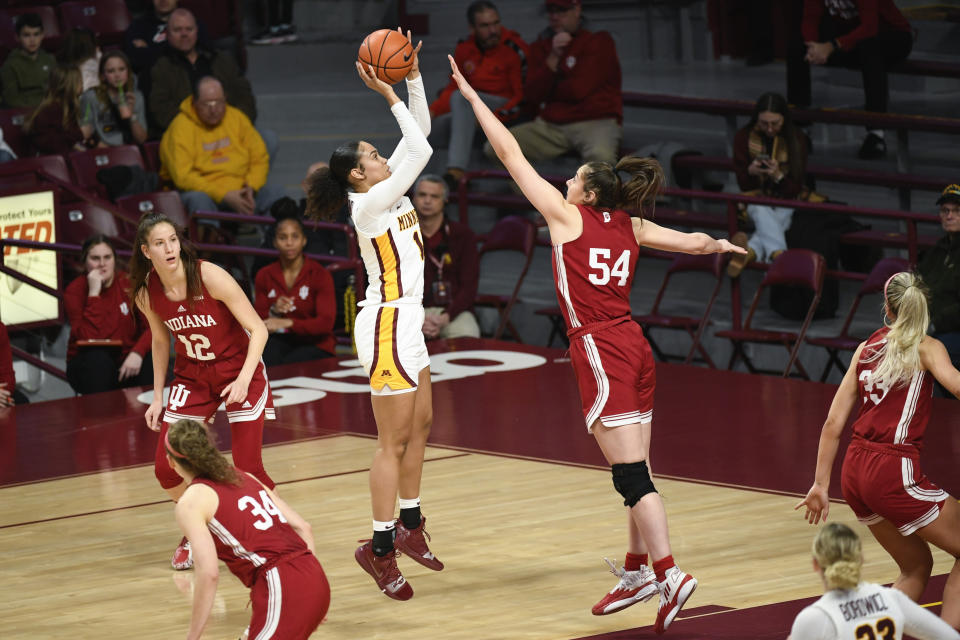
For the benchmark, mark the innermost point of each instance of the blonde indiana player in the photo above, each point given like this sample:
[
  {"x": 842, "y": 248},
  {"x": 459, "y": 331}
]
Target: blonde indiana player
[{"x": 388, "y": 333}]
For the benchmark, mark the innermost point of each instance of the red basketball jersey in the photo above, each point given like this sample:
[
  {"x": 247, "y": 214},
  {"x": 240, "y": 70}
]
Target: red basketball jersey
[
  {"x": 249, "y": 531},
  {"x": 203, "y": 329},
  {"x": 593, "y": 274},
  {"x": 897, "y": 415}
]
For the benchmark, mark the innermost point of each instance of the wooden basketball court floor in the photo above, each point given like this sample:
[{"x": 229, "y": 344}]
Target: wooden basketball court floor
[{"x": 518, "y": 499}]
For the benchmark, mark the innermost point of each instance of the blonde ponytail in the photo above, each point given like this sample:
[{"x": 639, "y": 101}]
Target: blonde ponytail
[
  {"x": 838, "y": 551},
  {"x": 906, "y": 298}
]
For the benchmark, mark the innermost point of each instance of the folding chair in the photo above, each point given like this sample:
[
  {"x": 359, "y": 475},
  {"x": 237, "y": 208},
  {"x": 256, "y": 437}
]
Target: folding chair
[
  {"x": 557, "y": 328},
  {"x": 51, "y": 26},
  {"x": 711, "y": 265},
  {"x": 86, "y": 164},
  {"x": 795, "y": 268},
  {"x": 844, "y": 341},
  {"x": 512, "y": 233},
  {"x": 11, "y": 121},
  {"x": 106, "y": 18}
]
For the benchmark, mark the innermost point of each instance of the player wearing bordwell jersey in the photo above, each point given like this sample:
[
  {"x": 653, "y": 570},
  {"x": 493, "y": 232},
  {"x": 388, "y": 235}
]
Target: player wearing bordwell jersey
[
  {"x": 218, "y": 339},
  {"x": 890, "y": 380},
  {"x": 853, "y": 609},
  {"x": 230, "y": 515},
  {"x": 388, "y": 330},
  {"x": 595, "y": 248}
]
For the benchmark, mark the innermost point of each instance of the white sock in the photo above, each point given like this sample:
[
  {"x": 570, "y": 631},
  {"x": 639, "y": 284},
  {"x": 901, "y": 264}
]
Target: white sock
[
  {"x": 409, "y": 503},
  {"x": 383, "y": 526}
]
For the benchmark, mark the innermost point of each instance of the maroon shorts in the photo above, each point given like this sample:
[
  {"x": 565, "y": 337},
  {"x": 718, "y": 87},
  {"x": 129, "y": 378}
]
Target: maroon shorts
[
  {"x": 616, "y": 375},
  {"x": 882, "y": 483},
  {"x": 195, "y": 395},
  {"x": 289, "y": 600}
]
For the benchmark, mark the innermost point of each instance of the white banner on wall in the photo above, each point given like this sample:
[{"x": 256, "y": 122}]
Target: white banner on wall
[{"x": 29, "y": 216}]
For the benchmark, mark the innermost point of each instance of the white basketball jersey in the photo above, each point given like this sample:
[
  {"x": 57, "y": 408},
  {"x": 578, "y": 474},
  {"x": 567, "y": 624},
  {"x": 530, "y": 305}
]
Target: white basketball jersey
[
  {"x": 869, "y": 611},
  {"x": 391, "y": 246}
]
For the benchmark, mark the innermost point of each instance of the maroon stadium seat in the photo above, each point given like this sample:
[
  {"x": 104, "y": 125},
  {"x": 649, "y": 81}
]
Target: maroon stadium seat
[
  {"x": 56, "y": 166},
  {"x": 166, "y": 202},
  {"x": 81, "y": 220},
  {"x": 106, "y": 18},
  {"x": 86, "y": 164},
  {"x": 11, "y": 121}
]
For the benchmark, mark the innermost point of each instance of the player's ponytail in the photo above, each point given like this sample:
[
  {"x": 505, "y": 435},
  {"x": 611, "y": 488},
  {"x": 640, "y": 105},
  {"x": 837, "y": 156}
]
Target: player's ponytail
[
  {"x": 906, "y": 299},
  {"x": 140, "y": 265},
  {"x": 192, "y": 446},
  {"x": 639, "y": 194},
  {"x": 838, "y": 552},
  {"x": 327, "y": 187}
]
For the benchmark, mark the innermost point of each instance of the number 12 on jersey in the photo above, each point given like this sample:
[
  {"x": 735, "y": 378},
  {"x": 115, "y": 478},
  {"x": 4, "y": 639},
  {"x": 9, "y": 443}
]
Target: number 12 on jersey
[{"x": 600, "y": 260}]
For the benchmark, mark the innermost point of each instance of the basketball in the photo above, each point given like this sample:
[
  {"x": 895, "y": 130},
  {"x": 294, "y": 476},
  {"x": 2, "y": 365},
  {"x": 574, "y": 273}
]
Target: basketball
[{"x": 389, "y": 53}]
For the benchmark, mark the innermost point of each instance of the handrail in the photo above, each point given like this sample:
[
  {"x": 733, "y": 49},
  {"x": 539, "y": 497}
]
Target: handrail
[{"x": 38, "y": 363}]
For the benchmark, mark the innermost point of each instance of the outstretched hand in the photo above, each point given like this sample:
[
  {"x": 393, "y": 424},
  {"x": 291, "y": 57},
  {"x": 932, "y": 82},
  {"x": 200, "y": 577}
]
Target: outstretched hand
[
  {"x": 727, "y": 247},
  {"x": 415, "y": 68},
  {"x": 817, "y": 503},
  {"x": 465, "y": 89},
  {"x": 369, "y": 77}
]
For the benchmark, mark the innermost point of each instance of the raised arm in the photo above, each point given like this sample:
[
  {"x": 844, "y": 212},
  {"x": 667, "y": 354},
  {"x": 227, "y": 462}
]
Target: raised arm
[
  {"x": 817, "y": 500},
  {"x": 224, "y": 288},
  {"x": 561, "y": 216}
]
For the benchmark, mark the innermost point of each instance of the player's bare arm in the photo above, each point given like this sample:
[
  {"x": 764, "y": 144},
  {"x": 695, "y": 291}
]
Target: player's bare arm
[
  {"x": 224, "y": 288},
  {"x": 160, "y": 349},
  {"x": 817, "y": 502},
  {"x": 650, "y": 234},
  {"x": 936, "y": 360},
  {"x": 195, "y": 508},
  {"x": 563, "y": 218}
]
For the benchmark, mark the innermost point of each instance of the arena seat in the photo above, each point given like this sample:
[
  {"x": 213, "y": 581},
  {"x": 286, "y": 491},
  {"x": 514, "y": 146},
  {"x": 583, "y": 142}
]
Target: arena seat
[
  {"x": 796, "y": 268},
  {"x": 11, "y": 122},
  {"x": 150, "y": 150},
  {"x": 52, "y": 36},
  {"x": 86, "y": 164},
  {"x": 166, "y": 202},
  {"x": 55, "y": 166},
  {"x": 82, "y": 219},
  {"x": 510, "y": 234},
  {"x": 108, "y": 19}
]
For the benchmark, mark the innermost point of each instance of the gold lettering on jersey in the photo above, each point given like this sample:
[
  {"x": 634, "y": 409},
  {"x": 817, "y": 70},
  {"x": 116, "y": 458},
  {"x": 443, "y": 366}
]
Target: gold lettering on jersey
[
  {"x": 408, "y": 219},
  {"x": 190, "y": 322}
]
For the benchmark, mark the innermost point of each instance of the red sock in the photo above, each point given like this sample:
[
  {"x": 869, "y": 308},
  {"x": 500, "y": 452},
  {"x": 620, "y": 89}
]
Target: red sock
[
  {"x": 661, "y": 566},
  {"x": 634, "y": 561}
]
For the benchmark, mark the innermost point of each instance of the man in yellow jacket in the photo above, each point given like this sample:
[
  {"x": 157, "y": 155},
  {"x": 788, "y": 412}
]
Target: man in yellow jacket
[{"x": 215, "y": 157}]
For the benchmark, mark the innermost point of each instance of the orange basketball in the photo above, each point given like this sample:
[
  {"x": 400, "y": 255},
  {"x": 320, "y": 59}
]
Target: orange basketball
[{"x": 389, "y": 53}]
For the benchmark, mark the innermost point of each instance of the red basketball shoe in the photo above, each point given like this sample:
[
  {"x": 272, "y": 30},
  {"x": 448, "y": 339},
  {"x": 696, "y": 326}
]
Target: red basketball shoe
[
  {"x": 384, "y": 572},
  {"x": 413, "y": 543},
  {"x": 183, "y": 556},
  {"x": 674, "y": 591},
  {"x": 633, "y": 587}
]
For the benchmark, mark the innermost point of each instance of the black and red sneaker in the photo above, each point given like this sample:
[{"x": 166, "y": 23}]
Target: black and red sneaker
[
  {"x": 384, "y": 571},
  {"x": 413, "y": 542}
]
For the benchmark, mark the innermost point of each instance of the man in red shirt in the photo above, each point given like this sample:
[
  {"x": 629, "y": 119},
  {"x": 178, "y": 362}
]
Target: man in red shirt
[
  {"x": 494, "y": 59},
  {"x": 573, "y": 76},
  {"x": 451, "y": 270},
  {"x": 870, "y": 35}
]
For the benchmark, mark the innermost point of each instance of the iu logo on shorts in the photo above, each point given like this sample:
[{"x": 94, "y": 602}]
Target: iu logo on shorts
[{"x": 178, "y": 397}]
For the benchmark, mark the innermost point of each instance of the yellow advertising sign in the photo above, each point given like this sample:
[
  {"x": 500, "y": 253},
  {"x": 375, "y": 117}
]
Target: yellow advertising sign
[{"x": 29, "y": 216}]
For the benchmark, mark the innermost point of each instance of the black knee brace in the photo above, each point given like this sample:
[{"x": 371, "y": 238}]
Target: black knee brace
[{"x": 632, "y": 481}]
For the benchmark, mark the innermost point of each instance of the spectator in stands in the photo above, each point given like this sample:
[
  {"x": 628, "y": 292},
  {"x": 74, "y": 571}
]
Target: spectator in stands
[
  {"x": 9, "y": 394},
  {"x": 114, "y": 109},
  {"x": 295, "y": 297},
  {"x": 574, "y": 76},
  {"x": 214, "y": 156},
  {"x": 182, "y": 63},
  {"x": 24, "y": 74},
  {"x": 940, "y": 269},
  {"x": 54, "y": 127},
  {"x": 493, "y": 59},
  {"x": 279, "y": 28},
  {"x": 770, "y": 159},
  {"x": 451, "y": 270},
  {"x": 870, "y": 35},
  {"x": 109, "y": 346},
  {"x": 146, "y": 38},
  {"x": 80, "y": 50}
]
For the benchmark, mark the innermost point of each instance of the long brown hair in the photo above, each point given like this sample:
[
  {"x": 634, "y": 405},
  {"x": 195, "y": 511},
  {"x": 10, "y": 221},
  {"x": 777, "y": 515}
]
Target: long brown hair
[
  {"x": 195, "y": 450},
  {"x": 328, "y": 186},
  {"x": 103, "y": 90},
  {"x": 638, "y": 194},
  {"x": 140, "y": 265},
  {"x": 63, "y": 88},
  {"x": 776, "y": 103}
]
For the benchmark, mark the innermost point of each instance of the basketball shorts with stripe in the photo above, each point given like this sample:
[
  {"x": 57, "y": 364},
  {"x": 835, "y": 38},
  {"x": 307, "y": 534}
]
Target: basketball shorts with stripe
[
  {"x": 616, "y": 375},
  {"x": 195, "y": 395},
  {"x": 888, "y": 485},
  {"x": 290, "y": 600},
  {"x": 391, "y": 347}
]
